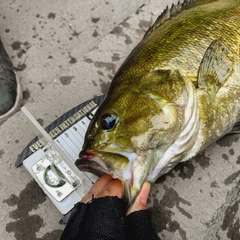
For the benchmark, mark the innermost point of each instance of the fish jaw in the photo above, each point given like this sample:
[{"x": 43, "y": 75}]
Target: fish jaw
[
  {"x": 101, "y": 161},
  {"x": 92, "y": 157},
  {"x": 134, "y": 175},
  {"x": 90, "y": 162},
  {"x": 97, "y": 163}
]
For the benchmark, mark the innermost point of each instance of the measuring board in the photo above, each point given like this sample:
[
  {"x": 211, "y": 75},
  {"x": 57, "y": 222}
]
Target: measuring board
[{"x": 50, "y": 157}]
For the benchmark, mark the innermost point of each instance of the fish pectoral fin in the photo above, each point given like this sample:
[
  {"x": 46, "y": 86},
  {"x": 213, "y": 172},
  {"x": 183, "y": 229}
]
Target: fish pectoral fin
[{"x": 216, "y": 67}]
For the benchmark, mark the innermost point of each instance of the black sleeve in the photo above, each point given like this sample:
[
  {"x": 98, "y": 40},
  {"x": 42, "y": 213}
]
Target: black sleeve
[
  {"x": 138, "y": 225},
  {"x": 104, "y": 218}
]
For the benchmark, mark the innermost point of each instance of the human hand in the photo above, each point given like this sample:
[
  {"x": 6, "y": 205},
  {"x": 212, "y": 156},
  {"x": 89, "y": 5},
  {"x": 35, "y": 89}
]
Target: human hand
[
  {"x": 107, "y": 186},
  {"x": 84, "y": 222}
]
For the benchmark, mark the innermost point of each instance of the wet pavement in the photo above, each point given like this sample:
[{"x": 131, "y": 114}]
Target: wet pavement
[{"x": 67, "y": 52}]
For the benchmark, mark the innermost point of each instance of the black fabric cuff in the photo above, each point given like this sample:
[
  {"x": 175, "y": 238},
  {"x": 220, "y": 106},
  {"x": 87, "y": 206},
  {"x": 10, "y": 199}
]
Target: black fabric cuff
[
  {"x": 102, "y": 218},
  {"x": 138, "y": 225}
]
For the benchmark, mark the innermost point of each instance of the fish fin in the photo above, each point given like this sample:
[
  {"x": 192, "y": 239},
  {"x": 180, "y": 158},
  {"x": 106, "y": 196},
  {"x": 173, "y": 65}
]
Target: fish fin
[
  {"x": 216, "y": 67},
  {"x": 168, "y": 13}
]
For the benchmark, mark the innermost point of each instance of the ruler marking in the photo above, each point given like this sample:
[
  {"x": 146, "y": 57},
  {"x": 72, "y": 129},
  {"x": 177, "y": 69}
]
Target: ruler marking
[{"x": 65, "y": 147}]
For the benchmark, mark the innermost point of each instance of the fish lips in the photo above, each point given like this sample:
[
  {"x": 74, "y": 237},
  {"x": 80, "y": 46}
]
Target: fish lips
[{"x": 90, "y": 162}]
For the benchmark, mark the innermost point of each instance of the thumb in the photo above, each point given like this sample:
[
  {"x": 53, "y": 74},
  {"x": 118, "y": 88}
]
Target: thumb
[{"x": 141, "y": 201}]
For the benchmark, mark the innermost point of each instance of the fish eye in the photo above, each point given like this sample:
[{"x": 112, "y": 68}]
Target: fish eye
[{"x": 108, "y": 121}]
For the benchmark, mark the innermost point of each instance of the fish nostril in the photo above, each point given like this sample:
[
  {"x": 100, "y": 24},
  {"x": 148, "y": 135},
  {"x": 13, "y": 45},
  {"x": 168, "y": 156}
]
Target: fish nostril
[{"x": 90, "y": 139}]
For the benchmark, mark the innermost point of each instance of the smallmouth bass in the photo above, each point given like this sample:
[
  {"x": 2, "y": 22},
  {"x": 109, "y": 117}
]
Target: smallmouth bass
[{"x": 176, "y": 93}]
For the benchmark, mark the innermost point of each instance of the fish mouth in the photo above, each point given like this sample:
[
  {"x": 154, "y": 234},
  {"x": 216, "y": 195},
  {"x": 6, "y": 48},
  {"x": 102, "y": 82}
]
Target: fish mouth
[
  {"x": 83, "y": 165},
  {"x": 90, "y": 162}
]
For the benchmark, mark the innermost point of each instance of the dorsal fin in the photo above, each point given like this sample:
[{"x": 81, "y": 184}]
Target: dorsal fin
[{"x": 168, "y": 13}]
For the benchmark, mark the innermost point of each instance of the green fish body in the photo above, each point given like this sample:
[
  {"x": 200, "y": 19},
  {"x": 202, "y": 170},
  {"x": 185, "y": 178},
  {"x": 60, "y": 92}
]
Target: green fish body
[{"x": 177, "y": 92}]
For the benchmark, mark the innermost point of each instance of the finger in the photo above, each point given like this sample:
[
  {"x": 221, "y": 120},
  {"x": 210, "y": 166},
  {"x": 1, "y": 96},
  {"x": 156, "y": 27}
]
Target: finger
[
  {"x": 141, "y": 201},
  {"x": 112, "y": 189},
  {"x": 97, "y": 187}
]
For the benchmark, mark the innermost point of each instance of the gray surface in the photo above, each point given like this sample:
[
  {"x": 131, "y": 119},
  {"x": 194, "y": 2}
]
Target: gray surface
[{"x": 198, "y": 200}]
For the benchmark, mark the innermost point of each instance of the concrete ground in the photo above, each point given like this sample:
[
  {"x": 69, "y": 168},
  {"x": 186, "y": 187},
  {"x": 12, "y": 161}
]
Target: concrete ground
[{"x": 66, "y": 52}]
